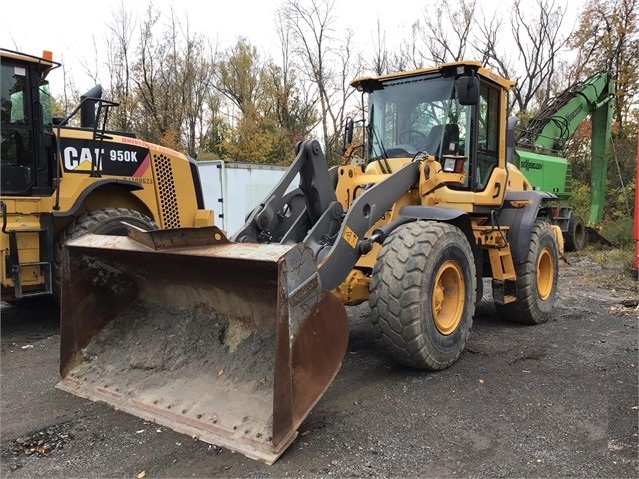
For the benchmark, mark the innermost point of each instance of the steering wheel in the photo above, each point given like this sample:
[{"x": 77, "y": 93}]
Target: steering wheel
[{"x": 413, "y": 137}]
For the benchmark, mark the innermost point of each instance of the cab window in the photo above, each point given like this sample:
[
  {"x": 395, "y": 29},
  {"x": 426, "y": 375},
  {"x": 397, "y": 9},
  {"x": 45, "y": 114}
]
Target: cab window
[
  {"x": 13, "y": 85},
  {"x": 487, "y": 134}
]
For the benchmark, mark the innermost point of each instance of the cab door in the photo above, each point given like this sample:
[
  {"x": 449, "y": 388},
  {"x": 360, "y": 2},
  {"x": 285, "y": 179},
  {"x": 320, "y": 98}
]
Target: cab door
[
  {"x": 489, "y": 177},
  {"x": 18, "y": 166}
]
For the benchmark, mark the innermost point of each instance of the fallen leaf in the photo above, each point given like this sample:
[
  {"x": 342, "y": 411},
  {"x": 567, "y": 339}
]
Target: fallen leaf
[{"x": 141, "y": 474}]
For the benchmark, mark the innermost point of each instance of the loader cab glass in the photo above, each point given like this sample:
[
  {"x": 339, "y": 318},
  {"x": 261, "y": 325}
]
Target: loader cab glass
[
  {"x": 488, "y": 130},
  {"x": 406, "y": 117},
  {"x": 18, "y": 120},
  {"x": 440, "y": 115}
]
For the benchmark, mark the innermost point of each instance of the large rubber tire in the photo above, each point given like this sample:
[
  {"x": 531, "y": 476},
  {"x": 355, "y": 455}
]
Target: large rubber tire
[
  {"x": 106, "y": 221},
  {"x": 575, "y": 238},
  {"x": 536, "y": 279},
  {"x": 423, "y": 294}
]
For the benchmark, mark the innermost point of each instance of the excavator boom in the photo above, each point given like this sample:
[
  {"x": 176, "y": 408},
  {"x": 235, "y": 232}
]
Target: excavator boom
[{"x": 541, "y": 145}]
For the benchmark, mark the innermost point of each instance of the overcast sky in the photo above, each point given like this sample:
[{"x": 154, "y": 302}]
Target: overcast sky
[{"x": 72, "y": 29}]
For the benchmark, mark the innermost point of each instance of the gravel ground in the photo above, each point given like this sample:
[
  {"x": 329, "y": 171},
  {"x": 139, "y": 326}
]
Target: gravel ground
[{"x": 554, "y": 400}]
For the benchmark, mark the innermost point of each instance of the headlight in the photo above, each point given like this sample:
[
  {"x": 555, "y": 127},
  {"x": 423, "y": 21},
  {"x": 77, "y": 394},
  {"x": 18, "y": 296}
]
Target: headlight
[{"x": 454, "y": 164}]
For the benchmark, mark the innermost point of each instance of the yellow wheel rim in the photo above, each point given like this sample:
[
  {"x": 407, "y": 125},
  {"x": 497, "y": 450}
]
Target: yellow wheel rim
[
  {"x": 448, "y": 297},
  {"x": 545, "y": 274}
]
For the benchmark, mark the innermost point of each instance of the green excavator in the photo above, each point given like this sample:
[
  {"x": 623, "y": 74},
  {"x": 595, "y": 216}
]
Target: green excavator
[{"x": 540, "y": 148}]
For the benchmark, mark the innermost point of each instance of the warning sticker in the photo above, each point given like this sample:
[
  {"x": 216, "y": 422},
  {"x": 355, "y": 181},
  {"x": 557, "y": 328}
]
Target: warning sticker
[{"x": 350, "y": 237}]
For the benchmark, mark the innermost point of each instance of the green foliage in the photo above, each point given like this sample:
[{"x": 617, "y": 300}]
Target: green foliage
[
  {"x": 617, "y": 225},
  {"x": 580, "y": 199},
  {"x": 619, "y": 202},
  {"x": 619, "y": 232}
]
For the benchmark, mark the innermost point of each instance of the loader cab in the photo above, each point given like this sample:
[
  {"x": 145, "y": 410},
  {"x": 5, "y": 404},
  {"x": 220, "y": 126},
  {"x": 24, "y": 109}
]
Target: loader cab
[
  {"x": 453, "y": 112},
  {"x": 26, "y": 125}
]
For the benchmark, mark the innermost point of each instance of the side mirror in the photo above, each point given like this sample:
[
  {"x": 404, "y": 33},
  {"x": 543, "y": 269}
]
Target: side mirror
[
  {"x": 348, "y": 132},
  {"x": 468, "y": 90}
]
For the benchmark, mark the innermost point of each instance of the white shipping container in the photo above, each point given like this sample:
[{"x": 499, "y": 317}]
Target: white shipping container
[{"x": 233, "y": 189}]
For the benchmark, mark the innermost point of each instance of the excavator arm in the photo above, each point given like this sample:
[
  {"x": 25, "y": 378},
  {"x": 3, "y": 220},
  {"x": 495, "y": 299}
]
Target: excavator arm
[{"x": 546, "y": 135}]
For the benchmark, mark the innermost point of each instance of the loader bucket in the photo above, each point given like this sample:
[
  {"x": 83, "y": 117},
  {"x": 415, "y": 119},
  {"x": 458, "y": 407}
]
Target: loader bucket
[{"x": 232, "y": 343}]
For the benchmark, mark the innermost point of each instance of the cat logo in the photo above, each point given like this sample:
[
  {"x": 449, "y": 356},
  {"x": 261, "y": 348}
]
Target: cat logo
[{"x": 83, "y": 159}]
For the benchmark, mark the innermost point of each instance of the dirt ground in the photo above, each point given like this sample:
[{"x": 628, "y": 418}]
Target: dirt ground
[{"x": 554, "y": 400}]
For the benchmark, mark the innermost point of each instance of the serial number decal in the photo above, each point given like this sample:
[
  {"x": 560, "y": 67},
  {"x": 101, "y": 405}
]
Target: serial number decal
[
  {"x": 142, "y": 181},
  {"x": 304, "y": 290}
]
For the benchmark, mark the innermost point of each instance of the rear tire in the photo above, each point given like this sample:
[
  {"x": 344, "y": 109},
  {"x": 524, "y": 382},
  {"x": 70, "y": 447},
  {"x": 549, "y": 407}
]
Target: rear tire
[
  {"x": 536, "y": 279},
  {"x": 575, "y": 238},
  {"x": 422, "y": 294},
  {"x": 107, "y": 221}
]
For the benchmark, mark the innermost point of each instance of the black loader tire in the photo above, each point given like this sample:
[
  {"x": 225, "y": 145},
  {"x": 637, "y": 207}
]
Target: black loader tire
[
  {"x": 106, "y": 221},
  {"x": 575, "y": 238},
  {"x": 423, "y": 294},
  {"x": 536, "y": 279}
]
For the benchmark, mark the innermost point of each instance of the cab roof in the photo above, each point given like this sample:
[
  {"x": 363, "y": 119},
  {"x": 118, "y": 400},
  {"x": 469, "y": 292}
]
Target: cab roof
[
  {"x": 362, "y": 83},
  {"x": 45, "y": 62}
]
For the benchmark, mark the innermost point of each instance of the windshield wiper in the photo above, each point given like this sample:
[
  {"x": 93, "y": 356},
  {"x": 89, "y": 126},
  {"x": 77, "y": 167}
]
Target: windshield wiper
[{"x": 384, "y": 159}]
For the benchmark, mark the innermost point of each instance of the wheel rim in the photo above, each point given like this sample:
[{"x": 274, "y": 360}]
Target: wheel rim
[
  {"x": 448, "y": 297},
  {"x": 545, "y": 274}
]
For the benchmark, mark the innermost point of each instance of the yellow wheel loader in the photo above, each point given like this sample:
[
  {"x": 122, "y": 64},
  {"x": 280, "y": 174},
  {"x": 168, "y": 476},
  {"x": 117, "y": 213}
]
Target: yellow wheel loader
[
  {"x": 235, "y": 340},
  {"x": 60, "y": 181}
]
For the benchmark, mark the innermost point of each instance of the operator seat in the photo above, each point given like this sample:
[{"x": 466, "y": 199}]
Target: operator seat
[
  {"x": 451, "y": 139},
  {"x": 444, "y": 136},
  {"x": 434, "y": 139}
]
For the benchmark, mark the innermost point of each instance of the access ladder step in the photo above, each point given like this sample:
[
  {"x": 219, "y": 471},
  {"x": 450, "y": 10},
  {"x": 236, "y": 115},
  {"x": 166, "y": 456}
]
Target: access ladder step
[{"x": 502, "y": 265}]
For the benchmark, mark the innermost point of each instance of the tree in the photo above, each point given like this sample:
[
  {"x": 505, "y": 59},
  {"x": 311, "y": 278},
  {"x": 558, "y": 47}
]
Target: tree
[
  {"x": 119, "y": 54},
  {"x": 161, "y": 82},
  {"x": 535, "y": 34},
  {"x": 607, "y": 39},
  {"x": 448, "y": 27},
  {"x": 328, "y": 65},
  {"x": 249, "y": 86},
  {"x": 239, "y": 76}
]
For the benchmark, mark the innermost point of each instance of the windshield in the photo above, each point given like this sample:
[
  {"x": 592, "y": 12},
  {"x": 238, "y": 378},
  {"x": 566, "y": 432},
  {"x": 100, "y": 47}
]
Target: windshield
[{"x": 420, "y": 114}]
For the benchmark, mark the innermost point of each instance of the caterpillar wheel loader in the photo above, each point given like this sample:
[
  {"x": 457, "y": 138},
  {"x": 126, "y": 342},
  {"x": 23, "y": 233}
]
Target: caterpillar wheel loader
[
  {"x": 59, "y": 181},
  {"x": 234, "y": 340}
]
